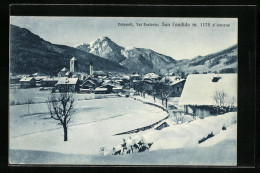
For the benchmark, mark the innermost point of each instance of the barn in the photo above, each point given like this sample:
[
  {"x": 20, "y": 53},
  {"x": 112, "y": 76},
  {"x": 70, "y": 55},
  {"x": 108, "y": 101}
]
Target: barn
[{"x": 200, "y": 95}]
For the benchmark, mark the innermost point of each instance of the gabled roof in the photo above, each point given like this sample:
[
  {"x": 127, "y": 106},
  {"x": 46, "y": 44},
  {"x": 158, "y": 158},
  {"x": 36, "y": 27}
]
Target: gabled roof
[
  {"x": 27, "y": 79},
  {"x": 199, "y": 89},
  {"x": 86, "y": 82},
  {"x": 176, "y": 81},
  {"x": 65, "y": 80},
  {"x": 64, "y": 69}
]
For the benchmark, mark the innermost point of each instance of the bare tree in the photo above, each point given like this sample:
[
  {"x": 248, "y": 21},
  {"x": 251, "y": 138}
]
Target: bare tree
[
  {"x": 166, "y": 90},
  {"x": 232, "y": 102},
  {"x": 220, "y": 98},
  {"x": 60, "y": 107}
]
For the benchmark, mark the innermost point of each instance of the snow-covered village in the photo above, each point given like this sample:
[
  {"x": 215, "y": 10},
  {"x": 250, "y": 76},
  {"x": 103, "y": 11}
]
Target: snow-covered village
[{"x": 100, "y": 103}]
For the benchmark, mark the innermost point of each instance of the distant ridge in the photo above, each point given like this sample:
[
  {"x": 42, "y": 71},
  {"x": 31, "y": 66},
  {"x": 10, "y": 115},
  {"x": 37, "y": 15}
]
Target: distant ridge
[{"x": 29, "y": 54}]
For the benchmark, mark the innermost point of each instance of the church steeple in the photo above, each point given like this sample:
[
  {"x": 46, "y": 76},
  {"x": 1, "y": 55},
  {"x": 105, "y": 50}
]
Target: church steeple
[
  {"x": 74, "y": 65},
  {"x": 91, "y": 68}
]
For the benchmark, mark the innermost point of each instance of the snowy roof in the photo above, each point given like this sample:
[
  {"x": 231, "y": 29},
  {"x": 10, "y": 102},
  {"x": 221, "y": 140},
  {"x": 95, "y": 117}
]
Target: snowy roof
[
  {"x": 101, "y": 89},
  {"x": 65, "y": 80},
  {"x": 168, "y": 78},
  {"x": 135, "y": 75},
  {"x": 40, "y": 77},
  {"x": 177, "y": 81},
  {"x": 99, "y": 73},
  {"x": 151, "y": 76},
  {"x": 26, "y": 79},
  {"x": 73, "y": 59},
  {"x": 199, "y": 89},
  {"x": 51, "y": 79},
  {"x": 118, "y": 88},
  {"x": 68, "y": 73},
  {"x": 64, "y": 69},
  {"x": 110, "y": 82}
]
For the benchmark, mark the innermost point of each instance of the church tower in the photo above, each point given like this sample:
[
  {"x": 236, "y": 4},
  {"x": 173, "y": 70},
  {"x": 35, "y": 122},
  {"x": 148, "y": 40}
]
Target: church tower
[
  {"x": 74, "y": 65},
  {"x": 91, "y": 68}
]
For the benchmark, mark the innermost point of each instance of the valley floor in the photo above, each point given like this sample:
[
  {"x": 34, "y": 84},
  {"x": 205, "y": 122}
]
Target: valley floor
[{"x": 36, "y": 139}]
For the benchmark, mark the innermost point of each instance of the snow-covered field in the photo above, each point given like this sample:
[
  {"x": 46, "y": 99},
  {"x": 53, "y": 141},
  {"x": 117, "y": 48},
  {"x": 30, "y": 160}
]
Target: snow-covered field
[
  {"x": 95, "y": 123},
  {"x": 36, "y": 139}
]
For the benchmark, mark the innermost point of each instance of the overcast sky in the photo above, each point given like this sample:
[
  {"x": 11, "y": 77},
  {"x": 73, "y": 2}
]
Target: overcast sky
[{"x": 177, "y": 42}]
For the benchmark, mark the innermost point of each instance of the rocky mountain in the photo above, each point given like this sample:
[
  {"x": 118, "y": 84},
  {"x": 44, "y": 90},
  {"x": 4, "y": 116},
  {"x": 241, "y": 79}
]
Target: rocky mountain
[
  {"x": 29, "y": 54},
  {"x": 104, "y": 47},
  {"x": 135, "y": 59}
]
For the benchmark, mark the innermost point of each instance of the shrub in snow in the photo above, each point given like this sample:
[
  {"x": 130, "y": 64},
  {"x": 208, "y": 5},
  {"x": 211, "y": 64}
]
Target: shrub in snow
[
  {"x": 218, "y": 110},
  {"x": 224, "y": 127},
  {"x": 101, "y": 151},
  {"x": 204, "y": 139},
  {"x": 178, "y": 117},
  {"x": 131, "y": 146},
  {"x": 163, "y": 125}
]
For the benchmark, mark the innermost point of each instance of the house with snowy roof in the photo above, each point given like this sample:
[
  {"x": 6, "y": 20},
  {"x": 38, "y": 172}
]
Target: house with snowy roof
[
  {"x": 177, "y": 87},
  {"x": 49, "y": 82},
  {"x": 203, "y": 92},
  {"x": 27, "y": 82},
  {"x": 63, "y": 72},
  {"x": 65, "y": 84}
]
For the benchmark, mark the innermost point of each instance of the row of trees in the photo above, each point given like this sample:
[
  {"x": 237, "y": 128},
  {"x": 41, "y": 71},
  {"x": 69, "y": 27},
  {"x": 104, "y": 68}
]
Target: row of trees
[{"x": 162, "y": 91}]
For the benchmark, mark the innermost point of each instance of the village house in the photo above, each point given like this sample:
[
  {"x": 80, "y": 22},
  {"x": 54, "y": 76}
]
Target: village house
[
  {"x": 134, "y": 79},
  {"x": 151, "y": 77},
  {"x": 98, "y": 73},
  {"x": 49, "y": 82},
  {"x": 63, "y": 72},
  {"x": 39, "y": 80},
  {"x": 200, "y": 90},
  {"x": 177, "y": 87},
  {"x": 27, "y": 82},
  {"x": 91, "y": 83},
  {"x": 68, "y": 84},
  {"x": 68, "y": 74},
  {"x": 14, "y": 79}
]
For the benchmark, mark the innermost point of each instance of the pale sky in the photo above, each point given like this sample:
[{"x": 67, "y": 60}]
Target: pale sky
[{"x": 179, "y": 42}]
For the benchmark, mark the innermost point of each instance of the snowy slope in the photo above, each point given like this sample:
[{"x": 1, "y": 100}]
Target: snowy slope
[
  {"x": 174, "y": 145},
  {"x": 29, "y": 50},
  {"x": 224, "y": 59}
]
